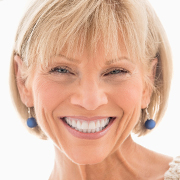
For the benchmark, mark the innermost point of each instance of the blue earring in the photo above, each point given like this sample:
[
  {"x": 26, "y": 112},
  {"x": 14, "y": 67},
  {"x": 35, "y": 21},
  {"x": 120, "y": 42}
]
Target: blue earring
[
  {"x": 31, "y": 122},
  {"x": 150, "y": 123}
]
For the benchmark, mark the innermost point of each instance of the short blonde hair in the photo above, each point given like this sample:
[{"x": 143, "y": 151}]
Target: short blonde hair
[{"x": 51, "y": 25}]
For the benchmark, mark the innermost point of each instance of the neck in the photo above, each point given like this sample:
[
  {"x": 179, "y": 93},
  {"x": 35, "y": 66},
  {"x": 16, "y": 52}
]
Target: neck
[{"x": 127, "y": 158}]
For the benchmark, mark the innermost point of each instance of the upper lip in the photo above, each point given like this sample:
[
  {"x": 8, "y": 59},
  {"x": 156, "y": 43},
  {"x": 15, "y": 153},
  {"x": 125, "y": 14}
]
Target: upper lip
[{"x": 88, "y": 118}]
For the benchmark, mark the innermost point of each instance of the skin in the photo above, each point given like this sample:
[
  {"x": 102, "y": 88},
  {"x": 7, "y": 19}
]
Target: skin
[{"x": 87, "y": 90}]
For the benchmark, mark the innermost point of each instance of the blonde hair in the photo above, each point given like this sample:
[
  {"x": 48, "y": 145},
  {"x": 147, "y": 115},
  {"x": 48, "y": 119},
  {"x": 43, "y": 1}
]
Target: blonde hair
[{"x": 49, "y": 26}]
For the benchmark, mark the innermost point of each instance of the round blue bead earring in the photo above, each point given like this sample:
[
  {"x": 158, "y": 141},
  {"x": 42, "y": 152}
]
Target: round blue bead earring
[
  {"x": 150, "y": 123},
  {"x": 31, "y": 122}
]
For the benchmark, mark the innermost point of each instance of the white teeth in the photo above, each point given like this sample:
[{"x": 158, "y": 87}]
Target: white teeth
[
  {"x": 87, "y": 126},
  {"x": 78, "y": 125},
  {"x": 98, "y": 124},
  {"x": 85, "y": 130},
  {"x": 106, "y": 121},
  {"x": 84, "y": 125},
  {"x": 70, "y": 122},
  {"x": 102, "y": 123},
  {"x": 89, "y": 130},
  {"x": 92, "y": 125},
  {"x": 74, "y": 124},
  {"x": 97, "y": 129}
]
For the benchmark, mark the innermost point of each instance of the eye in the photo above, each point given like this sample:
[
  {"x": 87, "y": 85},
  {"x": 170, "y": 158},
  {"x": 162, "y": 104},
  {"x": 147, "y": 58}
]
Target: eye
[
  {"x": 61, "y": 70},
  {"x": 116, "y": 72}
]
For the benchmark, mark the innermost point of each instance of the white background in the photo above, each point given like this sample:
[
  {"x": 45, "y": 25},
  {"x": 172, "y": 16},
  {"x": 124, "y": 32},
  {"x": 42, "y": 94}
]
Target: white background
[{"x": 25, "y": 157}]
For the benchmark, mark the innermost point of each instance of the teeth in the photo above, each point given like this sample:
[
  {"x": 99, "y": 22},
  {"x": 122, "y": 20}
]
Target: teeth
[
  {"x": 74, "y": 124},
  {"x": 87, "y": 127},
  {"x": 92, "y": 125},
  {"x": 98, "y": 124},
  {"x": 89, "y": 130},
  {"x": 84, "y": 130},
  {"x": 97, "y": 129},
  {"x": 84, "y": 125},
  {"x": 78, "y": 125},
  {"x": 106, "y": 121},
  {"x": 102, "y": 123}
]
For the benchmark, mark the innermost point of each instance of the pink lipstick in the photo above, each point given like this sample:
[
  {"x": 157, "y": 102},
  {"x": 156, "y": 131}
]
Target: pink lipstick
[{"x": 88, "y": 128}]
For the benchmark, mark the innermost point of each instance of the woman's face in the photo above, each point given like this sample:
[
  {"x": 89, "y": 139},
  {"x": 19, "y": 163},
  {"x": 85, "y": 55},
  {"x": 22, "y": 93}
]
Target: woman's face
[{"x": 86, "y": 92}]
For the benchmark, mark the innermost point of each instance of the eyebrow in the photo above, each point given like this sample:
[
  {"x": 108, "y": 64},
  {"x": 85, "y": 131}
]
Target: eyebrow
[
  {"x": 69, "y": 59},
  {"x": 115, "y": 60},
  {"x": 108, "y": 62}
]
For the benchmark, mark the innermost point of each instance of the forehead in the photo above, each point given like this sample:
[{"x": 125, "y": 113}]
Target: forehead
[
  {"x": 99, "y": 56},
  {"x": 98, "y": 51},
  {"x": 110, "y": 55},
  {"x": 79, "y": 59}
]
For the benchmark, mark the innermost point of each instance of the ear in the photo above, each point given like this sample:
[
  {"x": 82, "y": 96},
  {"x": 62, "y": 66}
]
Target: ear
[
  {"x": 148, "y": 89},
  {"x": 24, "y": 91}
]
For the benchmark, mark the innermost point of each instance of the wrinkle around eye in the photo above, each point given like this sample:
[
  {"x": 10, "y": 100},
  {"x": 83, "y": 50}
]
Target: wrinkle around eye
[
  {"x": 60, "y": 70},
  {"x": 117, "y": 71},
  {"x": 119, "y": 78}
]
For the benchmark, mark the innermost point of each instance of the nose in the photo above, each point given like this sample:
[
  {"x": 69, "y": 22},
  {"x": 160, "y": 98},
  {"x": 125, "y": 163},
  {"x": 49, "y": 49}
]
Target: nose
[{"x": 89, "y": 95}]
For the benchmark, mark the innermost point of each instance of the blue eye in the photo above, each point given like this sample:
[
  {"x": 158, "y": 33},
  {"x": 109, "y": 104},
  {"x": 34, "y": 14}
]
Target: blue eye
[
  {"x": 116, "y": 71},
  {"x": 59, "y": 70}
]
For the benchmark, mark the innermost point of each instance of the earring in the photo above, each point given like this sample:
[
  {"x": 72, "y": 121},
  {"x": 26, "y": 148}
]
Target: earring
[
  {"x": 150, "y": 123},
  {"x": 31, "y": 122}
]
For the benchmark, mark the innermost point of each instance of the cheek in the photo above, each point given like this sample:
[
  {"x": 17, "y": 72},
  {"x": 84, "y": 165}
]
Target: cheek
[
  {"x": 128, "y": 95},
  {"x": 49, "y": 94},
  {"x": 127, "y": 98}
]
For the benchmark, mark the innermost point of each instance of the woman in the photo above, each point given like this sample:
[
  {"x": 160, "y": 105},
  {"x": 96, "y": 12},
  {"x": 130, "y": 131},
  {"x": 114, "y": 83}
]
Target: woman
[{"x": 88, "y": 73}]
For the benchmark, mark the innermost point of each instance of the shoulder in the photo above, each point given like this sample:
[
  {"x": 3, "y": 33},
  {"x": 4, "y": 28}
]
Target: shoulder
[{"x": 174, "y": 171}]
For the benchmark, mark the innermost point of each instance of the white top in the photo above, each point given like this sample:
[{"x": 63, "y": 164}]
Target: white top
[{"x": 174, "y": 171}]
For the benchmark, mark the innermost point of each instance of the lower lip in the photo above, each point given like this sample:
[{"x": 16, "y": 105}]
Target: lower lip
[{"x": 92, "y": 136}]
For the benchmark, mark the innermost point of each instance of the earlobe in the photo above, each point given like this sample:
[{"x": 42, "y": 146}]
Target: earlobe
[{"x": 25, "y": 93}]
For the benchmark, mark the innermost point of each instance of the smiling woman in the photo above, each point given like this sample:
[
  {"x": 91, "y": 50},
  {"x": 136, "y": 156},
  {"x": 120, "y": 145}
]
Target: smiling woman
[{"x": 90, "y": 81}]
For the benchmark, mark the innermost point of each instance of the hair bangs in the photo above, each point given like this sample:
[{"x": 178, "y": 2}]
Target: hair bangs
[{"x": 93, "y": 23}]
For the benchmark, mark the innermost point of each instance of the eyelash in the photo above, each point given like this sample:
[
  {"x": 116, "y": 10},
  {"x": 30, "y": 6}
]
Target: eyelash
[
  {"x": 61, "y": 70},
  {"x": 65, "y": 70},
  {"x": 116, "y": 71}
]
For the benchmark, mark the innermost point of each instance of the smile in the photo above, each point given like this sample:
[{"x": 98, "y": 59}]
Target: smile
[{"x": 87, "y": 126}]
